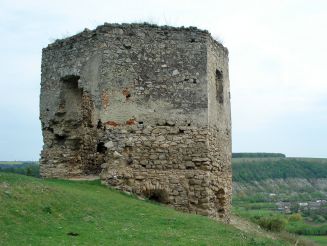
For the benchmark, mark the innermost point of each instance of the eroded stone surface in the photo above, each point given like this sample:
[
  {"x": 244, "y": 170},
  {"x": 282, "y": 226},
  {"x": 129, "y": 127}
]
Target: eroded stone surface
[{"x": 145, "y": 107}]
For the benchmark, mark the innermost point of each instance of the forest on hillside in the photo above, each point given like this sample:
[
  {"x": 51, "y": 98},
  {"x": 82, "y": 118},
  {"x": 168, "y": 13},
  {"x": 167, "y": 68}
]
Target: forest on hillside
[{"x": 261, "y": 168}]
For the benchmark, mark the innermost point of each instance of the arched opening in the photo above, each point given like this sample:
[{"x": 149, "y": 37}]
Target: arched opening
[
  {"x": 219, "y": 86},
  {"x": 68, "y": 114},
  {"x": 220, "y": 202},
  {"x": 157, "y": 195},
  {"x": 60, "y": 139},
  {"x": 72, "y": 79},
  {"x": 67, "y": 120},
  {"x": 71, "y": 98},
  {"x": 99, "y": 124},
  {"x": 101, "y": 148}
]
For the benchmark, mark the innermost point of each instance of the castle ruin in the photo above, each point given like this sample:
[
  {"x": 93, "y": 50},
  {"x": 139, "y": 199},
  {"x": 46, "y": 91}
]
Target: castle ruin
[{"x": 145, "y": 107}]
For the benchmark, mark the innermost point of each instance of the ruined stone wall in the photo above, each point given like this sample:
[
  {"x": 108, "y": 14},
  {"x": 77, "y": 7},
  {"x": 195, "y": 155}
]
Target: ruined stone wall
[
  {"x": 219, "y": 125},
  {"x": 140, "y": 105},
  {"x": 130, "y": 74},
  {"x": 170, "y": 164}
]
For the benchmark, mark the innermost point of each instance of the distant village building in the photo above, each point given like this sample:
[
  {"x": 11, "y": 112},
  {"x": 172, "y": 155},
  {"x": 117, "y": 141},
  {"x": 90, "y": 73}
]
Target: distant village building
[{"x": 284, "y": 207}]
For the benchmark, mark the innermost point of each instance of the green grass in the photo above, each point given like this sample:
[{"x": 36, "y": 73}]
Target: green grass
[
  {"x": 299, "y": 227},
  {"x": 45, "y": 212},
  {"x": 321, "y": 240},
  {"x": 303, "y": 228},
  {"x": 252, "y": 214}
]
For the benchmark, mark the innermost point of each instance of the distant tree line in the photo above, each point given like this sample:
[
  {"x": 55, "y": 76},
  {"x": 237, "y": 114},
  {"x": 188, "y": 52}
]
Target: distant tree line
[
  {"x": 257, "y": 155},
  {"x": 248, "y": 171},
  {"x": 26, "y": 168}
]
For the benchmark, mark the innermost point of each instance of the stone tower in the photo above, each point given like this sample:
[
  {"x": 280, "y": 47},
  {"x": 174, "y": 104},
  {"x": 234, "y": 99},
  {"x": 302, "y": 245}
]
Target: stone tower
[{"x": 145, "y": 107}]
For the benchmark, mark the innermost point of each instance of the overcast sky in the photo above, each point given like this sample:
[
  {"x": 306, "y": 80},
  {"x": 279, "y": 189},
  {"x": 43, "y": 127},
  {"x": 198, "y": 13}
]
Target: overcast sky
[{"x": 278, "y": 64}]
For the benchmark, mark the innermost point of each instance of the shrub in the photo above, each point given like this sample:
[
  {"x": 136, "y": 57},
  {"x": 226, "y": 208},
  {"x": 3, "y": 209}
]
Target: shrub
[
  {"x": 295, "y": 217},
  {"x": 319, "y": 219},
  {"x": 29, "y": 171},
  {"x": 272, "y": 223}
]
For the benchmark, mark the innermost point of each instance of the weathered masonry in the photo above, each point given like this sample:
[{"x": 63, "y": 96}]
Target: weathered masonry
[{"x": 145, "y": 107}]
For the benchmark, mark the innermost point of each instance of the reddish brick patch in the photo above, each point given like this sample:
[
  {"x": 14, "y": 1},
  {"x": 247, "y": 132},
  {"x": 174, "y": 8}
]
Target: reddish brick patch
[
  {"x": 131, "y": 122},
  {"x": 112, "y": 123}
]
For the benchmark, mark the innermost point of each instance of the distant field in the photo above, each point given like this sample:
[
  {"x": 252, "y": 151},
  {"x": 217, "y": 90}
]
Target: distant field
[{"x": 11, "y": 162}]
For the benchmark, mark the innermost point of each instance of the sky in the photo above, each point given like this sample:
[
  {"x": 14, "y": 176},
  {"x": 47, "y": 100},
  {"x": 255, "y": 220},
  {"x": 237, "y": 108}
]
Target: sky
[{"x": 277, "y": 64}]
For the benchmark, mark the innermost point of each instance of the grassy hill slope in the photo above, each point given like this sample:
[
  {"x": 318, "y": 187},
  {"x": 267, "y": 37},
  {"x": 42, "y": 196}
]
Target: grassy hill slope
[{"x": 58, "y": 212}]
